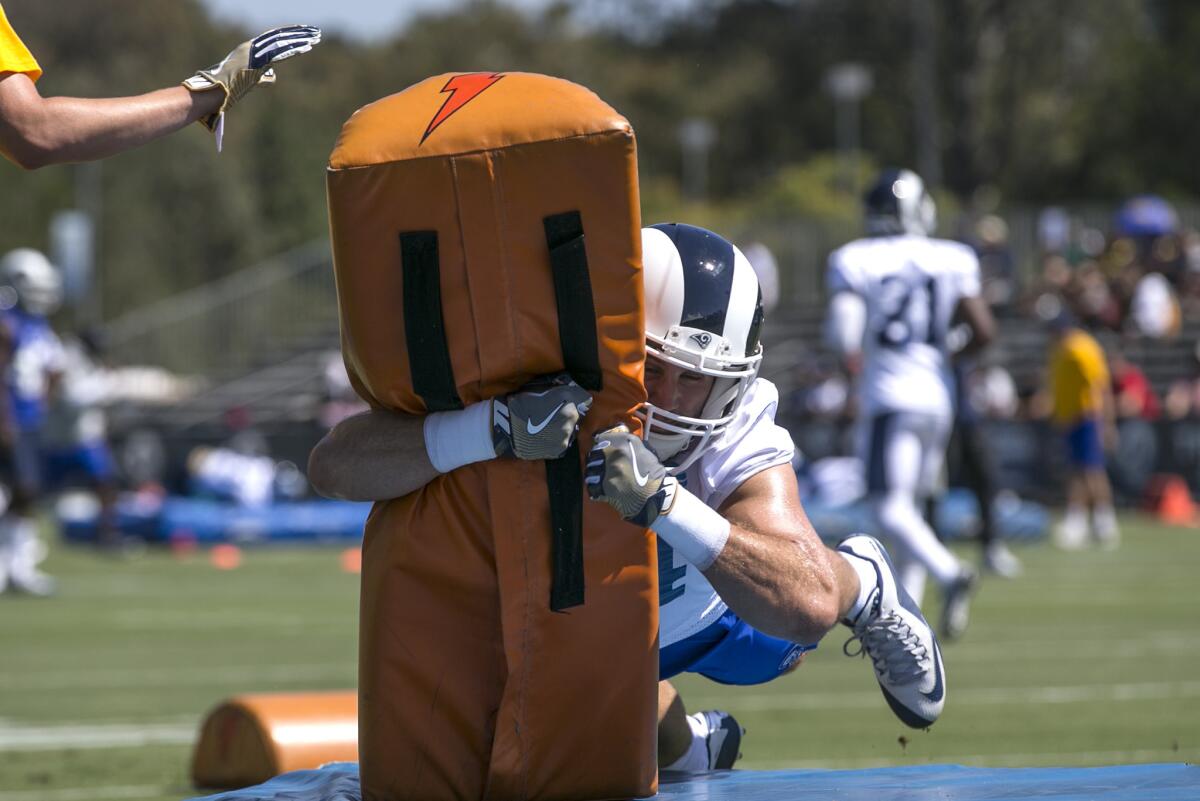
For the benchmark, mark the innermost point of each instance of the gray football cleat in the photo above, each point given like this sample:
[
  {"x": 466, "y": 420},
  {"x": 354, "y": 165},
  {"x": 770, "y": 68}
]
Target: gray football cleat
[{"x": 901, "y": 644}]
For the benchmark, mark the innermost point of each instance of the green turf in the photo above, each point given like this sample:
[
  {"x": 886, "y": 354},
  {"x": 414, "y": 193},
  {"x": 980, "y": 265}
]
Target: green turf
[{"x": 1089, "y": 658}]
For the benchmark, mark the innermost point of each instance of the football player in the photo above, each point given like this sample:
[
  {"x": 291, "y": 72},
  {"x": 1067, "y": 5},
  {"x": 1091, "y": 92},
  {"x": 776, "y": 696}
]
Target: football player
[
  {"x": 897, "y": 299},
  {"x": 30, "y": 290},
  {"x": 745, "y": 585}
]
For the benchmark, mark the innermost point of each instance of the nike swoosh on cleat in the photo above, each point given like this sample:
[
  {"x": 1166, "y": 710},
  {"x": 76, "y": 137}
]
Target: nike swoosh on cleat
[
  {"x": 641, "y": 480},
  {"x": 536, "y": 428},
  {"x": 939, "y": 687}
]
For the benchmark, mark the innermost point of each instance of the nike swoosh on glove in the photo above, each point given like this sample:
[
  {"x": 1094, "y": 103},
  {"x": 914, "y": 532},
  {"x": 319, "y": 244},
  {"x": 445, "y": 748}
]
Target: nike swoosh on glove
[
  {"x": 541, "y": 420},
  {"x": 625, "y": 474}
]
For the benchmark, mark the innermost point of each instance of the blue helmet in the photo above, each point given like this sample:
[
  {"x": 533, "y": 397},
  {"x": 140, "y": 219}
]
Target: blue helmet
[{"x": 897, "y": 203}]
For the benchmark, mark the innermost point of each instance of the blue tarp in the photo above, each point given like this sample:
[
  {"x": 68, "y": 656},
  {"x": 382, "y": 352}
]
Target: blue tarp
[
  {"x": 1163, "y": 782},
  {"x": 206, "y": 521}
]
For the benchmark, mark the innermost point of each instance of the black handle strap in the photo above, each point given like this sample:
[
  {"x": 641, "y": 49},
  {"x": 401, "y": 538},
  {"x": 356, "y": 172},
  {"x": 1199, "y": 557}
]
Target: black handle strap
[
  {"x": 581, "y": 358},
  {"x": 424, "y": 326}
]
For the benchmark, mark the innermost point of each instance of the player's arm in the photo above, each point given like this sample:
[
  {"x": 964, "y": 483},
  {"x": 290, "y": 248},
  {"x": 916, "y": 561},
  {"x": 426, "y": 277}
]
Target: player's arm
[
  {"x": 37, "y": 131},
  {"x": 974, "y": 314},
  {"x": 846, "y": 322},
  {"x": 379, "y": 455},
  {"x": 759, "y": 552}
]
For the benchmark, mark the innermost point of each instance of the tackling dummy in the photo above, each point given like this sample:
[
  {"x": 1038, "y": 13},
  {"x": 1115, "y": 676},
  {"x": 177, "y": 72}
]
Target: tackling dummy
[{"x": 485, "y": 233}]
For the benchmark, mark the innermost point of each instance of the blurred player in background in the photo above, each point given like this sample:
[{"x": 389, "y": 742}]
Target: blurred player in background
[
  {"x": 36, "y": 131},
  {"x": 75, "y": 450},
  {"x": 745, "y": 585},
  {"x": 30, "y": 290},
  {"x": 1084, "y": 411},
  {"x": 895, "y": 297}
]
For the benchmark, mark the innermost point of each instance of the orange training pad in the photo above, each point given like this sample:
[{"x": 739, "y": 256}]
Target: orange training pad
[
  {"x": 250, "y": 738},
  {"x": 470, "y": 686}
]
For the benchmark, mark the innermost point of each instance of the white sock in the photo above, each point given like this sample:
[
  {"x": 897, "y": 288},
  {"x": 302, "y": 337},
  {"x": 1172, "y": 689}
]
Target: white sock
[
  {"x": 1105, "y": 520},
  {"x": 868, "y": 580},
  {"x": 1075, "y": 518},
  {"x": 26, "y": 552},
  {"x": 696, "y": 757}
]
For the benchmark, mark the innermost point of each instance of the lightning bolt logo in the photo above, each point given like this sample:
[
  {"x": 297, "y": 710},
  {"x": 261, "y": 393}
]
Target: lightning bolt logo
[{"x": 463, "y": 89}]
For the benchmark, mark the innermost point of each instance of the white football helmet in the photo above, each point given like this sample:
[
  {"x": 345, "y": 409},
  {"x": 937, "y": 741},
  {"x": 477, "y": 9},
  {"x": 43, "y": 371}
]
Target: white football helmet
[
  {"x": 37, "y": 282},
  {"x": 897, "y": 203},
  {"x": 703, "y": 313}
]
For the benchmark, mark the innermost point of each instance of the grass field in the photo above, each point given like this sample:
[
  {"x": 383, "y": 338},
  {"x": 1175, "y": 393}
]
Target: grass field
[{"x": 1088, "y": 659}]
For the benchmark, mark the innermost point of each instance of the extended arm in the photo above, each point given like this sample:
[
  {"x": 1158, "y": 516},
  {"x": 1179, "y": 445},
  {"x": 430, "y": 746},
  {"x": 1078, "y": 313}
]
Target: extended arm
[
  {"x": 975, "y": 314},
  {"x": 759, "y": 551},
  {"x": 774, "y": 571},
  {"x": 373, "y": 456},
  {"x": 37, "y": 131},
  {"x": 380, "y": 455}
]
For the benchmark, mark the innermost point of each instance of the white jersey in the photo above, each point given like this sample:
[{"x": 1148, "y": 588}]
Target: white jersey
[
  {"x": 751, "y": 443},
  {"x": 911, "y": 286}
]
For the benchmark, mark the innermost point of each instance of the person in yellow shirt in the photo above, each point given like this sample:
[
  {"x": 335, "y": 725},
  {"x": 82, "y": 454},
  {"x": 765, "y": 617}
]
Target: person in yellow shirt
[
  {"x": 1083, "y": 409},
  {"x": 36, "y": 131}
]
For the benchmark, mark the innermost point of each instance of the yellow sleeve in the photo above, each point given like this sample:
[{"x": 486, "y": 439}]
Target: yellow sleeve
[{"x": 14, "y": 55}]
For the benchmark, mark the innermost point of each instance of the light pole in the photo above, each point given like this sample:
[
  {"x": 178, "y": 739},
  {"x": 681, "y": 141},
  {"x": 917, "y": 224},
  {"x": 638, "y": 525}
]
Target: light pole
[
  {"x": 697, "y": 135},
  {"x": 848, "y": 83}
]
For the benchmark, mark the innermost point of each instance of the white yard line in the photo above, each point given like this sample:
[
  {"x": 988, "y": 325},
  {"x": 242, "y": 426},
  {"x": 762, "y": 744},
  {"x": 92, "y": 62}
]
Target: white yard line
[
  {"x": 1088, "y": 693},
  {"x": 113, "y": 735},
  {"x": 117, "y": 678}
]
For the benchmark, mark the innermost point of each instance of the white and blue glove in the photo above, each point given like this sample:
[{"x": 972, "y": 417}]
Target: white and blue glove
[{"x": 248, "y": 65}]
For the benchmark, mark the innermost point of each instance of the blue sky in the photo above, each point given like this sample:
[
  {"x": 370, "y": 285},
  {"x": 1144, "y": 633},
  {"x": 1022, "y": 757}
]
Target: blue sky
[{"x": 367, "y": 19}]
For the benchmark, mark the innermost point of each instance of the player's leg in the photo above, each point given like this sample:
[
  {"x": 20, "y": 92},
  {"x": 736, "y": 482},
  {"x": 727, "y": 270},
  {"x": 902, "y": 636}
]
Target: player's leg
[
  {"x": 1072, "y": 531},
  {"x": 674, "y": 734},
  {"x": 25, "y": 551},
  {"x": 1104, "y": 516},
  {"x": 898, "y": 469},
  {"x": 933, "y": 433},
  {"x": 979, "y": 472}
]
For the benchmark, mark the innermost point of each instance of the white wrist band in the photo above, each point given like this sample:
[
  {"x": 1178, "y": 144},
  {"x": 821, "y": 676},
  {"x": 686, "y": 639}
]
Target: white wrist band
[
  {"x": 696, "y": 532},
  {"x": 453, "y": 439}
]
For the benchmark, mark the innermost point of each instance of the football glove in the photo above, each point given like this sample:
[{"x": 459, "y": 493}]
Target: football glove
[
  {"x": 625, "y": 474},
  {"x": 540, "y": 420},
  {"x": 247, "y": 66}
]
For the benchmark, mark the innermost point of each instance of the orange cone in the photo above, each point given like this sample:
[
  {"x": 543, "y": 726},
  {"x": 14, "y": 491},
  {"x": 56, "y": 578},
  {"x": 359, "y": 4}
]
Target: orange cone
[
  {"x": 225, "y": 557},
  {"x": 352, "y": 560},
  {"x": 1170, "y": 501}
]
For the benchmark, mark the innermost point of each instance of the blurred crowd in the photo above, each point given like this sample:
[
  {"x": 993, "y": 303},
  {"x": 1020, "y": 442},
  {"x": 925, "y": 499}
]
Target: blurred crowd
[{"x": 1134, "y": 286}]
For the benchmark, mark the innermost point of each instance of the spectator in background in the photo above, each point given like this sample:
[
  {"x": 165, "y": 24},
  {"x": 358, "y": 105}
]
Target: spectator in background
[
  {"x": 1154, "y": 310},
  {"x": 995, "y": 261},
  {"x": 30, "y": 289},
  {"x": 36, "y": 131},
  {"x": 1083, "y": 410},
  {"x": 74, "y": 441},
  {"x": 969, "y": 460},
  {"x": 1132, "y": 392}
]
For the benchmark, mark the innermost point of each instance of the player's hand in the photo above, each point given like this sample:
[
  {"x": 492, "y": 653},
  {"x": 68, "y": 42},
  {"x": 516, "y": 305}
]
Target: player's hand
[
  {"x": 540, "y": 420},
  {"x": 248, "y": 65},
  {"x": 625, "y": 474}
]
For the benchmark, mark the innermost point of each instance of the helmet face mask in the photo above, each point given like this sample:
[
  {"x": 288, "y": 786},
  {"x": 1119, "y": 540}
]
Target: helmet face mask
[{"x": 703, "y": 314}]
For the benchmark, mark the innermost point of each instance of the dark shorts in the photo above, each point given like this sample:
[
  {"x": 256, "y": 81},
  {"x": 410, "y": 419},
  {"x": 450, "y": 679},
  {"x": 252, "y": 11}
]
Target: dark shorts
[
  {"x": 90, "y": 464},
  {"x": 730, "y": 651},
  {"x": 1085, "y": 449},
  {"x": 21, "y": 466}
]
